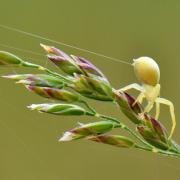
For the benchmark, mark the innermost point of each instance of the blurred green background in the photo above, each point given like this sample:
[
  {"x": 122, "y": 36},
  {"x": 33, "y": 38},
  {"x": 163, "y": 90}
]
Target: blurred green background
[{"x": 125, "y": 29}]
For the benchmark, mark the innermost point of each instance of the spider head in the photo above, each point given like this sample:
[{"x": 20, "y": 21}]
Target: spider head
[{"x": 147, "y": 70}]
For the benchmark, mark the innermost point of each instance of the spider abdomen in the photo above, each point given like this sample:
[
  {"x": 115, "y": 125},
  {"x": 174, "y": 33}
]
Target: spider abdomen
[{"x": 147, "y": 70}]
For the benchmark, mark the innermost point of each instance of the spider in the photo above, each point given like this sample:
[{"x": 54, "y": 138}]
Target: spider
[{"x": 148, "y": 73}]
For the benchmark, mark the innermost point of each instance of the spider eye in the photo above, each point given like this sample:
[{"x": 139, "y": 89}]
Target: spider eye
[{"x": 147, "y": 70}]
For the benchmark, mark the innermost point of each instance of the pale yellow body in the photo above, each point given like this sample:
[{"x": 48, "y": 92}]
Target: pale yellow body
[{"x": 148, "y": 73}]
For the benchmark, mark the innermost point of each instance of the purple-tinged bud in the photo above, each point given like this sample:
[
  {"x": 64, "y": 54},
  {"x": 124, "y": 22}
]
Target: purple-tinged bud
[
  {"x": 152, "y": 137},
  {"x": 65, "y": 65},
  {"x": 8, "y": 59},
  {"x": 42, "y": 80},
  {"x": 157, "y": 127},
  {"x": 59, "y": 109},
  {"x": 62, "y": 60},
  {"x": 53, "y": 93},
  {"x": 115, "y": 140},
  {"x": 88, "y": 67},
  {"x": 86, "y": 130},
  {"x": 55, "y": 51},
  {"x": 125, "y": 102}
]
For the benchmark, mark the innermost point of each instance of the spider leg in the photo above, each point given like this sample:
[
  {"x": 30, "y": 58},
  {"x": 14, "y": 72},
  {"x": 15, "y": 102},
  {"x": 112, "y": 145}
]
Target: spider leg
[
  {"x": 137, "y": 87},
  {"x": 148, "y": 107},
  {"x": 157, "y": 110},
  {"x": 131, "y": 86},
  {"x": 171, "y": 106},
  {"x": 139, "y": 99}
]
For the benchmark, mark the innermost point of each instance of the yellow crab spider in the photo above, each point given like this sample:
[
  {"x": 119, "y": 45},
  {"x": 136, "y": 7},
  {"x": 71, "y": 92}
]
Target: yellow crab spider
[{"x": 148, "y": 73}]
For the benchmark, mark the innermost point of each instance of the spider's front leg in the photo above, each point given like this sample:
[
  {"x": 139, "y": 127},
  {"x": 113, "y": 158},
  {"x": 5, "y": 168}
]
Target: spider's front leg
[
  {"x": 137, "y": 87},
  {"x": 131, "y": 86},
  {"x": 171, "y": 106}
]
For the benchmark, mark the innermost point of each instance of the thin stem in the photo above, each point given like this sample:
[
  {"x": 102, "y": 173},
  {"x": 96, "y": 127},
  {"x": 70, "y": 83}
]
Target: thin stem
[
  {"x": 110, "y": 118},
  {"x": 142, "y": 147},
  {"x": 157, "y": 151},
  {"x": 89, "y": 107},
  {"x": 168, "y": 153}
]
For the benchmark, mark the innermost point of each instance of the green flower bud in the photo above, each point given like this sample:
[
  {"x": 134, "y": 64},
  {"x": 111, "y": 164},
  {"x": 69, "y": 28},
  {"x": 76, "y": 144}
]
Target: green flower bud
[
  {"x": 93, "y": 87},
  {"x": 59, "y": 109},
  {"x": 86, "y": 130},
  {"x": 8, "y": 59}
]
